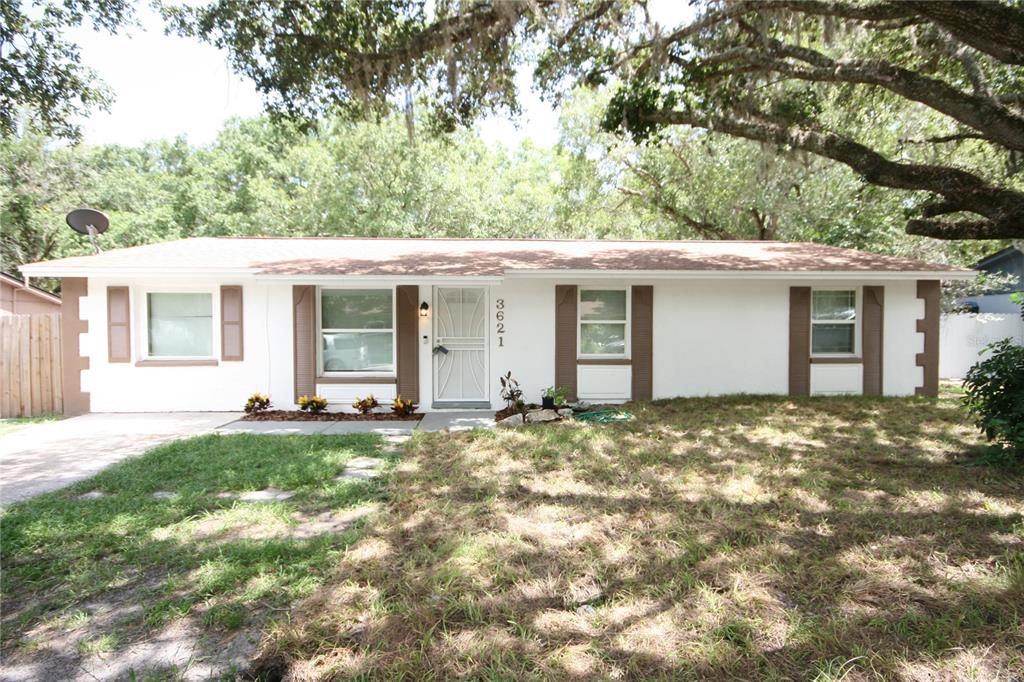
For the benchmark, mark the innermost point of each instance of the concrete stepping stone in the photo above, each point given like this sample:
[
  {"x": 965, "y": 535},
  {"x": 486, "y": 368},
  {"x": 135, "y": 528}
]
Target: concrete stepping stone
[
  {"x": 92, "y": 495},
  {"x": 225, "y": 496},
  {"x": 397, "y": 440},
  {"x": 364, "y": 463},
  {"x": 330, "y": 521},
  {"x": 163, "y": 494},
  {"x": 267, "y": 495},
  {"x": 357, "y": 475}
]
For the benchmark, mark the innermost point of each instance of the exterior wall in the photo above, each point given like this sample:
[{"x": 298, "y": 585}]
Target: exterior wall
[
  {"x": 125, "y": 387},
  {"x": 21, "y": 301},
  {"x": 994, "y": 303},
  {"x": 709, "y": 337}
]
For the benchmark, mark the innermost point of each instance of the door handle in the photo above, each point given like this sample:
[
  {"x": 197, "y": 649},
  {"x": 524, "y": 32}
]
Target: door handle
[{"x": 440, "y": 349}]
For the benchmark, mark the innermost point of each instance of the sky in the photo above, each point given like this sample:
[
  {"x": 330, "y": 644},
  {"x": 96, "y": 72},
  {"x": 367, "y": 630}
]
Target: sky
[{"x": 165, "y": 86}]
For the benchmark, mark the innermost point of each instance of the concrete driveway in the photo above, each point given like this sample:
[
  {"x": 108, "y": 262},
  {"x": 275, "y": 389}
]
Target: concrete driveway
[{"x": 43, "y": 457}]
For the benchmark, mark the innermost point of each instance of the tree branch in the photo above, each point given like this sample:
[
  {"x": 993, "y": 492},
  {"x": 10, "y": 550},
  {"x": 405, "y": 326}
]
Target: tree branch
[
  {"x": 982, "y": 113},
  {"x": 1002, "y": 207},
  {"x": 995, "y": 28}
]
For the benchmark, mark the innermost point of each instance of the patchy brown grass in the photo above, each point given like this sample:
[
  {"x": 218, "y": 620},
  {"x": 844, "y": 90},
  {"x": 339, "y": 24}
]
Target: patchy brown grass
[{"x": 729, "y": 538}]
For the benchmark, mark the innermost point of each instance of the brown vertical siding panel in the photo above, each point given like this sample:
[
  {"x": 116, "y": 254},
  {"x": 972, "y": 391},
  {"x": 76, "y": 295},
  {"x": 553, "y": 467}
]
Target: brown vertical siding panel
[
  {"x": 799, "y": 340},
  {"x": 872, "y": 333},
  {"x": 72, "y": 289},
  {"x": 641, "y": 341},
  {"x": 304, "y": 334},
  {"x": 232, "y": 332},
  {"x": 565, "y": 338},
  {"x": 407, "y": 312},
  {"x": 119, "y": 327},
  {"x": 928, "y": 289}
]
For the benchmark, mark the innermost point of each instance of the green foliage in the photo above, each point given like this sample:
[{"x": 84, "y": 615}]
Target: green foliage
[
  {"x": 995, "y": 394},
  {"x": 632, "y": 104},
  {"x": 366, "y": 405},
  {"x": 312, "y": 404},
  {"x": 43, "y": 83},
  {"x": 257, "y": 403},
  {"x": 560, "y": 394}
]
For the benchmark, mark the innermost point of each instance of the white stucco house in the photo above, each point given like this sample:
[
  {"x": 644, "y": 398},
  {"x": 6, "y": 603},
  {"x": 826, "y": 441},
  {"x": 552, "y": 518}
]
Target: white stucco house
[{"x": 199, "y": 324}]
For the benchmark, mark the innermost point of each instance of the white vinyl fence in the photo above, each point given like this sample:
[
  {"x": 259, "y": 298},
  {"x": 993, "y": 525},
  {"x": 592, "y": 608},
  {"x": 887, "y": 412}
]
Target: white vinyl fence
[{"x": 964, "y": 336}]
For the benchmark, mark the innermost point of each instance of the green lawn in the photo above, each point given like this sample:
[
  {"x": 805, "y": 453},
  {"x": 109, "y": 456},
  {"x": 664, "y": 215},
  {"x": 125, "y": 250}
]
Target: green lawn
[
  {"x": 735, "y": 538},
  {"x": 720, "y": 538},
  {"x": 112, "y": 571},
  {"x": 11, "y": 425}
]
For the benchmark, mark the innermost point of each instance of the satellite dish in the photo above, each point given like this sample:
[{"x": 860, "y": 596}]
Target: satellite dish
[{"x": 89, "y": 221}]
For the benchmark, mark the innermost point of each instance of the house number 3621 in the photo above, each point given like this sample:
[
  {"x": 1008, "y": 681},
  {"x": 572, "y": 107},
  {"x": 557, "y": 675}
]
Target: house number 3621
[{"x": 499, "y": 315}]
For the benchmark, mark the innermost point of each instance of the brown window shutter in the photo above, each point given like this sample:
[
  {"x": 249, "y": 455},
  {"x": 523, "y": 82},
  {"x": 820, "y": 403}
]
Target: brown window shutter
[
  {"x": 799, "y": 340},
  {"x": 304, "y": 330},
  {"x": 872, "y": 314},
  {"x": 119, "y": 328},
  {"x": 565, "y": 338},
  {"x": 407, "y": 332},
  {"x": 231, "y": 332},
  {"x": 641, "y": 341},
  {"x": 928, "y": 289}
]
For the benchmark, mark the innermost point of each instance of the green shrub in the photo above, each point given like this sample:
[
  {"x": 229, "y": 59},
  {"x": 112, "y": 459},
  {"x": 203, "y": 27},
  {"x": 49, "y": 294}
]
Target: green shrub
[
  {"x": 257, "y": 403},
  {"x": 995, "y": 394},
  {"x": 314, "y": 405}
]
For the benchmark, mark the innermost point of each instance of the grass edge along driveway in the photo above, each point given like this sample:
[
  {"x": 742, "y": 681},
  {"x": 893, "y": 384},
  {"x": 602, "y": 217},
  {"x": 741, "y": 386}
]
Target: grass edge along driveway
[{"x": 100, "y": 568}]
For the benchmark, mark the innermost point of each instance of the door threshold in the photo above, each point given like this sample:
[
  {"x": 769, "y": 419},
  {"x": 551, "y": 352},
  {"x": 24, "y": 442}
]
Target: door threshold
[{"x": 461, "y": 405}]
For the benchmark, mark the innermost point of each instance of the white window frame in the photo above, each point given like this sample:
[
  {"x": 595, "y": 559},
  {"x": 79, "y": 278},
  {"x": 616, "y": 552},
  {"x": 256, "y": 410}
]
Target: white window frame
[
  {"x": 625, "y": 355},
  {"x": 143, "y": 324},
  {"x": 855, "y": 322},
  {"x": 320, "y": 333}
]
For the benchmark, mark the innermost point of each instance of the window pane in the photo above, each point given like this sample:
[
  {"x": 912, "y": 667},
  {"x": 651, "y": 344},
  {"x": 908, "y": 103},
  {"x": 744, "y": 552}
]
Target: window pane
[
  {"x": 358, "y": 352},
  {"x": 180, "y": 325},
  {"x": 602, "y": 305},
  {"x": 603, "y": 339},
  {"x": 358, "y": 309},
  {"x": 832, "y": 338},
  {"x": 834, "y": 305}
]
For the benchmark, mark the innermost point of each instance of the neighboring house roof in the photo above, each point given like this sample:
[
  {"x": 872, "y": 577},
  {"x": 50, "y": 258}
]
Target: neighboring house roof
[
  {"x": 31, "y": 289},
  {"x": 491, "y": 258},
  {"x": 1009, "y": 261}
]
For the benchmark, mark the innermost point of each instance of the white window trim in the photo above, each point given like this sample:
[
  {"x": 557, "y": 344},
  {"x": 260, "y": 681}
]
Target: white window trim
[
  {"x": 143, "y": 326},
  {"x": 320, "y": 333},
  {"x": 625, "y": 355},
  {"x": 855, "y": 322}
]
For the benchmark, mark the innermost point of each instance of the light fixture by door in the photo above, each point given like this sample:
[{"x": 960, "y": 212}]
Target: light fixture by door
[{"x": 424, "y": 309}]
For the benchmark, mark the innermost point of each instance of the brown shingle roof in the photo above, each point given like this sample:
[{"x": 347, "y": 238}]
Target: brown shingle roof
[{"x": 481, "y": 257}]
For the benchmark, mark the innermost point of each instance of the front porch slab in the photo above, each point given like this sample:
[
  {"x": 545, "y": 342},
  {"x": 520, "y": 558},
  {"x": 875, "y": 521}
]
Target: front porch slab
[{"x": 457, "y": 421}]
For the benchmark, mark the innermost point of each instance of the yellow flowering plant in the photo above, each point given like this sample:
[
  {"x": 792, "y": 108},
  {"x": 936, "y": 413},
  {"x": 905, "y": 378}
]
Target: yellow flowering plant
[
  {"x": 257, "y": 403},
  {"x": 403, "y": 407},
  {"x": 313, "y": 404}
]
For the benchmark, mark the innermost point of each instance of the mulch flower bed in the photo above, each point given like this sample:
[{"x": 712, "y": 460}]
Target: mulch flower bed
[{"x": 297, "y": 416}]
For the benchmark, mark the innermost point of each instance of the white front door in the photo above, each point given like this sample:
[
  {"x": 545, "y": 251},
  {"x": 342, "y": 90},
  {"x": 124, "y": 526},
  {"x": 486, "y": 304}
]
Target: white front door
[{"x": 460, "y": 345}]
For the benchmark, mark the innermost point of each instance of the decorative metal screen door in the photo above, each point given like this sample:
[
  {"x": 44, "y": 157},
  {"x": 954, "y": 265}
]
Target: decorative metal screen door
[{"x": 460, "y": 328}]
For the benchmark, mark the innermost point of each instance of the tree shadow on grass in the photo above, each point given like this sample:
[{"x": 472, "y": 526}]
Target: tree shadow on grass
[
  {"x": 712, "y": 538},
  {"x": 126, "y": 581}
]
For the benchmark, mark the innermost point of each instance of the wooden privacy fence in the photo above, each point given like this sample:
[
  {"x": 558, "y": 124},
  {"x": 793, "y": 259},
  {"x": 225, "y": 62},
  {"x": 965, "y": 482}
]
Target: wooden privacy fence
[{"x": 30, "y": 365}]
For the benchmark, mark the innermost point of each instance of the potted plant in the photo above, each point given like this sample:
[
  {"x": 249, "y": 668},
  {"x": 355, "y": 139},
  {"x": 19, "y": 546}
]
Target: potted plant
[{"x": 554, "y": 396}]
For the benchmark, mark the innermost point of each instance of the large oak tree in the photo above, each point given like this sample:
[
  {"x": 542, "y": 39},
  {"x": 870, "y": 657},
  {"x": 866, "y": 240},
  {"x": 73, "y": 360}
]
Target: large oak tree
[{"x": 775, "y": 71}]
